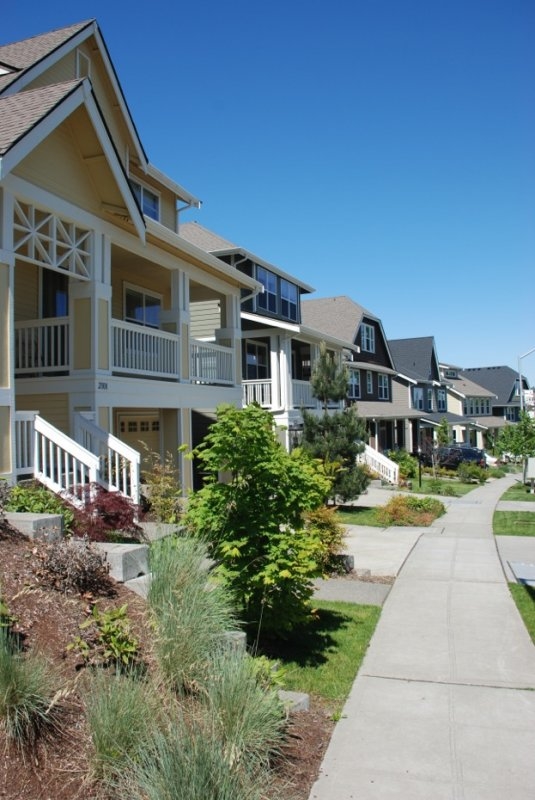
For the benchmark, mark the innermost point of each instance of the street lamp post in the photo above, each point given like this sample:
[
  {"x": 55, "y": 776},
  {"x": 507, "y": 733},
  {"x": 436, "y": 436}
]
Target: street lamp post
[{"x": 520, "y": 377}]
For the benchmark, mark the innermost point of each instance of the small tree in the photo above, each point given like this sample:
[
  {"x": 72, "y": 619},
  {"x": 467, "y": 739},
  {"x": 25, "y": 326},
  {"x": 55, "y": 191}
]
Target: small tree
[
  {"x": 518, "y": 439},
  {"x": 336, "y": 438},
  {"x": 254, "y": 519},
  {"x": 443, "y": 433}
]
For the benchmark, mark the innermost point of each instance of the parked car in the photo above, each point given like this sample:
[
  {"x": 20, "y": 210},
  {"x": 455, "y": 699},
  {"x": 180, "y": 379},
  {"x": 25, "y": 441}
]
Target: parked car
[{"x": 450, "y": 457}]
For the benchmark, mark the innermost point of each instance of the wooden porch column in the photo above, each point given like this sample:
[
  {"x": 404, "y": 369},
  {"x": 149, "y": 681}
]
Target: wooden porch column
[{"x": 7, "y": 335}]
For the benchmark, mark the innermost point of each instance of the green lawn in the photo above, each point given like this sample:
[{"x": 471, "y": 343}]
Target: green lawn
[
  {"x": 361, "y": 515},
  {"x": 322, "y": 657},
  {"x": 439, "y": 487},
  {"x": 514, "y": 523},
  {"x": 518, "y": 492},
  {"x": 524, "y": 597}
]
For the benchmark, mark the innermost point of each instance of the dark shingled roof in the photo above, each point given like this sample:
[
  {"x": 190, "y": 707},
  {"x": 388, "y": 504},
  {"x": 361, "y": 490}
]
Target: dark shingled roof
[
  {"x": 20, "y": 56},
  {"x": 415, "y": 357},
  {"x": 501, "y": 381},
  {"x": 21, "y": 112},
  {"x": 336, "y": 316}
]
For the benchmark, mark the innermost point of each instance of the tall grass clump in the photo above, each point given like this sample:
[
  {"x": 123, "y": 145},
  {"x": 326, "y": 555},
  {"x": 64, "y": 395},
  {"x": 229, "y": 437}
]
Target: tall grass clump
[
  {"x": 186, "y": 761},
  {"x": 247, "y": 717},
  {"x": 122, "y": 713},
  {"x": 191, "y": 613},
  {"x": 27, "y": 692}
]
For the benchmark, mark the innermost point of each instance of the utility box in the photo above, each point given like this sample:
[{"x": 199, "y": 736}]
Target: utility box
[{"x": 529, "y": 473}]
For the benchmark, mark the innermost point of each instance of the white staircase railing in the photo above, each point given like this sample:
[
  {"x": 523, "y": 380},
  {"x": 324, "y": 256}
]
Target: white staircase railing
[
  {"x": 388, "y": 470},
  {"x": 118, "y": 469},
  {"x": 59, "y": 462},
  {"x": 24, "y": 442}
]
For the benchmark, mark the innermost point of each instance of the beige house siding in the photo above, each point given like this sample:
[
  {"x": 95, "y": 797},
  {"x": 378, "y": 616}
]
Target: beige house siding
[
  {"x": 63, "y": 70},
  {"x": 56, "y": 165},
  {"x": 52, "y": 407},
  {"x": 26, "y": 291}
]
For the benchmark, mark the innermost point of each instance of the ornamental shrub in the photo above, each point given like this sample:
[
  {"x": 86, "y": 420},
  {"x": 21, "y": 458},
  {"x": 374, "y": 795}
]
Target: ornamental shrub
[{"x": 411, "y": 511}]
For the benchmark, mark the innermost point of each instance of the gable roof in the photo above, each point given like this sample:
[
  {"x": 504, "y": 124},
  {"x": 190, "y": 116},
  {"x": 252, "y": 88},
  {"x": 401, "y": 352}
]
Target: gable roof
[
  {"x": 214, "y": 243},
  {"x": 416, "y": 357},
  {"x": 338, "y": 316},
  {"x": 501, "y": 381},
  {"x": 18, "y": 57},
  {"x": 468, "y": 388}
]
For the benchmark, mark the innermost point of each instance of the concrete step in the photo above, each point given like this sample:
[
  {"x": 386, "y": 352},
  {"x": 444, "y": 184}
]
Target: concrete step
[
  {"x": 127, "y": 561},
  {"x": 45, "y": 527}
]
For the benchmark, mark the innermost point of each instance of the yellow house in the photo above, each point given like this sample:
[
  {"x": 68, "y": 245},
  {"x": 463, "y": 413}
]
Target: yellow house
[{"x": 99, "y": 293}]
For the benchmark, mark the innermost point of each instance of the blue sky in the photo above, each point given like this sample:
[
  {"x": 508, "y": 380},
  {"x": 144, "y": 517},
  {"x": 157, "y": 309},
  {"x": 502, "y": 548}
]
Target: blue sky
[{"x": 383, "y": 149}]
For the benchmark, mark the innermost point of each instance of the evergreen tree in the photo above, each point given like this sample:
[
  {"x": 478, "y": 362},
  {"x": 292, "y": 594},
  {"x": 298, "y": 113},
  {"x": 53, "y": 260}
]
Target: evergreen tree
[{"x": 335, "y": 438}]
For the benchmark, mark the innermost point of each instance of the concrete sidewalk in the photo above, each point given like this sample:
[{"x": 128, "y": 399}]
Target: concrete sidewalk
[{"x": 443, "y": 705}]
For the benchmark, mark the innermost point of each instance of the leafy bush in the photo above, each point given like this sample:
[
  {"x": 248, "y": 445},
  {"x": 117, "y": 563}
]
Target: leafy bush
[
  {"x": 27, "y": 693},
  {"x": 122, "y": 713},
  {"x": 408, "y": 465},
  {"x": 164, "y": 493},
  {"x": 330, "y": 533},
  {"x": 467, "y": 473},
  {"x": 108, "y": 639},
  {"x": 38, "y": 500},
  {"x": 190, "y": 621},
  {"x": 248, "y": 718},
  {"x": 72, "y": 565},
  {"x": 103, "y": 512},
  {"x": 444, "y": 488},
  {"x": 254, "y": 521},
  {"x": 497, "y": 472},
  {"x": 410, "y": 510}
]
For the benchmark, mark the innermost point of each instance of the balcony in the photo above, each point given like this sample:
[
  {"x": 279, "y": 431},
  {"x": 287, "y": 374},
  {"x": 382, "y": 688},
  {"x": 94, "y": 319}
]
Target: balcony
[
  {"x": 258, "y": 392},
  {"x": 211, "y": 363},
  {"x": 143, "y": 351},
  {"x": 42, "y": 346}
]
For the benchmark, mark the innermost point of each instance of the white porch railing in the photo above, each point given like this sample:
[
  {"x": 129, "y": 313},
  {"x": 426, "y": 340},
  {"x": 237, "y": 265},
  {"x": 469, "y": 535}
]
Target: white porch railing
[
  {"x": 138, "y": 350},
  {"x": 24, "y": 441},
  {"x": 118, "y": 468},
  {"x": 257, "y": 392},
  {"x": 42, "y": 345},
  {"x": 302, "y": 396},
  {"x": 388, "y": 470},
  {"x": 211, "y": 363},
  {"x": 59, "y": 462}
]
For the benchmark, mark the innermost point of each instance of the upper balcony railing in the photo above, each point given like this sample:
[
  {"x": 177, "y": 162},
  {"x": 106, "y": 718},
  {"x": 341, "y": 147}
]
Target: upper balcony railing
[
  {"x": 42, "y": 346},
  {"x": 302, "y": 396},
  {"x": 211, "y": 363},
  {"x": 143, "y": 351}
]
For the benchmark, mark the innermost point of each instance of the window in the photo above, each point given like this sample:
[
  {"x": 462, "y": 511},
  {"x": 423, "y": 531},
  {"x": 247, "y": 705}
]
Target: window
[
  {"x": 149, "y": 202},
  {"x": 418, "y": 397},
  {"x": 256, "y": 361},
  {"x": 450, "y": 373},
  {"x": 429, "y": 399},
  {"x": 289, "y": 300},
  {"x": 369, "y": 382},
  {"x": 476, "y": 406},
  {"x": 383, "y": 387},
  {"x": 354, "y": 384},
  {"x": 441, "y": 400},
  {"x": 142, "y": 307},
  {"x": 367, "y": 338},
  {"x": 268, "y": 299}
]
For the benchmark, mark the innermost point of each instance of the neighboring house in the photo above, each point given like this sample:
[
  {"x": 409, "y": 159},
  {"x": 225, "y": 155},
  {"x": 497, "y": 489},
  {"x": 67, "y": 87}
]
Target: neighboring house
[
  {"x": 97, "y": 287},
  {"x": 429, "y": 393},
  {"x": 474, "y": 403},
  {"x": 503, "y": 383},
  {"x": 278, "y": 351},
  {"x": 371, "y": 369}
]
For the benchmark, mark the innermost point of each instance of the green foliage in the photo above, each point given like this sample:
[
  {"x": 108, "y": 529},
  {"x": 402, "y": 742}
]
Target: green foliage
[
  {"x": 335, "y": 439},
  {"x": 329, "y": 380},
  {"x": 410, "y": 510},
  {"x": 38, "y": 500},
  {"x": 467, "y": 473},
  {"x": 514, "y": 523},
  {"x": 330, "y": 532},
  {"x": 408, "y": 465},
  {"x": 254, "y": 521},
  {"x": 108, "y": 639},
  {"x": 443, "y": 433},
  {"x": 27, "y": 693},
  {"x": 248, "y": 718},
  {"x": 122, "y": 714},
  {"x": 191, "y": 614},
  {"x": 5, "y": 490},
  {"x": 518, "y": 438},
  {"x": 164, "y": 493},
  {"x": 524, "y": 597}
]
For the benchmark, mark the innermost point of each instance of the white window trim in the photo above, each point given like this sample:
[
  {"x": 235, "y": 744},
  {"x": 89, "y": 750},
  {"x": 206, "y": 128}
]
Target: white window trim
[
  {"x": 146, "y": 188},
  {"x": 354, "y": 385},
  {"x": 383, "y": 390},
  {"x": 369, "y": 382},
  {"x": 146, "y": 292},
  {"x": 283, "y": 283},
  {"x": 368, "y": 333}
]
